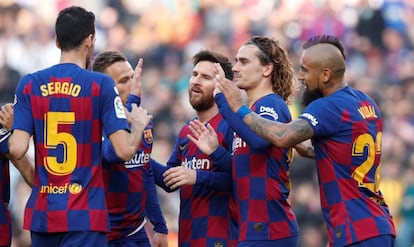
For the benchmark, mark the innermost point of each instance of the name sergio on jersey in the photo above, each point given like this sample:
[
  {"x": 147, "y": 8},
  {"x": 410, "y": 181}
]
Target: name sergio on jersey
[
  {"x": 57, "y": 87},
  {"x": 197, "y": 164},
  {"x": 139, "y": 159}
]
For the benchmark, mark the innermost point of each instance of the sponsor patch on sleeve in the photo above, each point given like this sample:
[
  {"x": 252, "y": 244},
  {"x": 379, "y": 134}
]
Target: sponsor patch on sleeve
[
  {"x": 268, "y": 111},
  {"x": 119, "y": 108},
  {"x": 311, "y": 118}
]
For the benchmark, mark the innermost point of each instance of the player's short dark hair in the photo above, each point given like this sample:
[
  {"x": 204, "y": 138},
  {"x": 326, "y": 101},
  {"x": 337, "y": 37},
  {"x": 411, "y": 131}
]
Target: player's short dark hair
[
  {"x": 106, "y": 59},
  {"x": 325, "y": 39},
  {"x": 73, "y": 25},
  {"x": 214, "y": 57}
]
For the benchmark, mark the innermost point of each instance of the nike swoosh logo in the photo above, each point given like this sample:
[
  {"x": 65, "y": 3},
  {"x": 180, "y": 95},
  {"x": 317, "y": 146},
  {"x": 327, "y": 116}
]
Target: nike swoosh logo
[{"x": 182, "y": 147}]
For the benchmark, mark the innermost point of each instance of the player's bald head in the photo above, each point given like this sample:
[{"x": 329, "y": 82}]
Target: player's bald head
[{"x": 326, "y": 52}]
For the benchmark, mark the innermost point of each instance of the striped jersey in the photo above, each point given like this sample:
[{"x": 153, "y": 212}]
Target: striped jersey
[
  {"x": 130, "y": 189},
  {"x": 207, "y": 215},
  {"x": 347, "y": 141},
  {"x": 66, "y": 108},
  {"x": 261, "y": 175}
]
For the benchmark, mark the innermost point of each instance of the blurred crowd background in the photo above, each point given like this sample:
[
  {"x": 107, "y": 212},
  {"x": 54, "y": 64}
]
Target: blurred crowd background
[{"x": 379, "y": 40}]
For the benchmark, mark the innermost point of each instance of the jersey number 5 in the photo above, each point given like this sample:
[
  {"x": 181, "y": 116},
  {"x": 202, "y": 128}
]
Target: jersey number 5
[
  {"x": 53, "y": 138},
  {"x": 373, "y": 147}
]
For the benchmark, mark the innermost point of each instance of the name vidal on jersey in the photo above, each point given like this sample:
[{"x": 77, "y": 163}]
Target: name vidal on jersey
[
  {"x": 196, "y": 164},
  {"x": 139, "y": 159}
]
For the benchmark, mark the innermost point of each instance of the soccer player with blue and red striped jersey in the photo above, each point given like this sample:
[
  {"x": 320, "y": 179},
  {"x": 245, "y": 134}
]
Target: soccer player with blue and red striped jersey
[
  {"x": 207, "y": 211},
  {"x": 345, "y": 126},
  {"x": 260, "y": 170},
  {"x": 66, "y": 108},
  {"x": 130, "y": 189}
]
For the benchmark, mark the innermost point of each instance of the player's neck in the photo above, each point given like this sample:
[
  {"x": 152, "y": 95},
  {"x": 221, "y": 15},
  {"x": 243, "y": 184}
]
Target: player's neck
[
  {"x": 73, "y": 57},
  {"x": 258, "y": 92},
  {"x": 207, "y": 115}
]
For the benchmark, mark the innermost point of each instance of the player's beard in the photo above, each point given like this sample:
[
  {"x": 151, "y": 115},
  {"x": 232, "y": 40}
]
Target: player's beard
[
  {"x": 309, "y": 96},
  {"x": 202, "y": 103}
]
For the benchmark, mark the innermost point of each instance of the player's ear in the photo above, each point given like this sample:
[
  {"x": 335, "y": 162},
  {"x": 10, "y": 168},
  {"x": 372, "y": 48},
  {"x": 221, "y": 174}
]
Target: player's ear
[
  {"x": 326, "y": 74},
  {"x": 90, "y": 40},
  {"x": 268, "y": 69},
  {"x": 57, "y": 43}
]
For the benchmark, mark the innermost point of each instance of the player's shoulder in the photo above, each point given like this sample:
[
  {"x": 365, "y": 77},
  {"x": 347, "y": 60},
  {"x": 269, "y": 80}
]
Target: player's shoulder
[
  {"x": 99, "y": 76},
  {"x": 272, "y": 105}
]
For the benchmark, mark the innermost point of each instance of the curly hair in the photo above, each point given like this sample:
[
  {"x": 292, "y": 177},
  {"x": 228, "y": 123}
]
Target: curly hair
[{"x": 270, "y": 51}]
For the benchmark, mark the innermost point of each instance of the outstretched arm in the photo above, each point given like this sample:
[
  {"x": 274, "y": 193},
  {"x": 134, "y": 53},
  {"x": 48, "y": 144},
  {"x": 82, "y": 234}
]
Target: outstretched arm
[
  {"x": 279, "y": 134},
  {"x": 178, "y": 176},
  {"x": 159, "y": 170}
]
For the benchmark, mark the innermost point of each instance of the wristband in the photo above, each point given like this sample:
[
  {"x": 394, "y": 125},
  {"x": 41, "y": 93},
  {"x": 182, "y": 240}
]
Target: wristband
[{"x": 243, "y": 111}]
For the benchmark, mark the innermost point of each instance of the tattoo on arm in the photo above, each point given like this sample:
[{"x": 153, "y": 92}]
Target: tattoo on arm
[{"x": 280, "y": 134}]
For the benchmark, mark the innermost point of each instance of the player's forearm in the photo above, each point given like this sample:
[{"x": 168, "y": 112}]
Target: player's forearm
[
  {"x": 133, "y": 141},
  {"x": 126, "y": 143},
  {"x": 153, "y": 208},
  {"x": 19, "y": 144},
  {"x": 159, "y": 170},
  {"x": 279, "y": 134},
  {"x": 214, "y": 180},
  {"x": 26, "y": 168},
  {"x": 242, "y": 130},
  {"x": 305, "y": 149}
]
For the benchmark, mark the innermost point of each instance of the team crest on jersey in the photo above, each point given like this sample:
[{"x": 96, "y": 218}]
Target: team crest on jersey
[
  {"x": 148, "y": 136},
  {"x": 75, "y": 188},
  {"x": 119, "y": 108}
]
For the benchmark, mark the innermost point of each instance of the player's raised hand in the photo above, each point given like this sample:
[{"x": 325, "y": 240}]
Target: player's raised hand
[
  {"x": 136, "y": 85},
  {"x": 6, "y": 116},
  {"x": 178, "y": 176},
  {"x": 218, "y": 70},
  {"x": 138, "y": 117},
  {"x": 204, "y": 137},
  {"x": 230, "y": 91}
]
